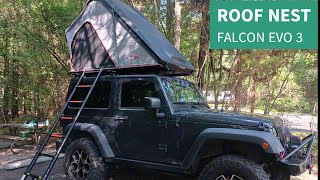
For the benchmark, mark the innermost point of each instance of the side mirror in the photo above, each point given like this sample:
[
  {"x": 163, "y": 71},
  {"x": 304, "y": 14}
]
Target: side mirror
[{"x": 151, "y": 103}]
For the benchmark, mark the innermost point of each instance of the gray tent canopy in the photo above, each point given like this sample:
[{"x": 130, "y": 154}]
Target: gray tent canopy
[{"x": 112, "y": 35}]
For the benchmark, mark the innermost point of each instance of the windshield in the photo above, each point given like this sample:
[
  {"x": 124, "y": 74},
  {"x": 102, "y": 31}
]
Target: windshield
[{"x": 181, "y": 92}]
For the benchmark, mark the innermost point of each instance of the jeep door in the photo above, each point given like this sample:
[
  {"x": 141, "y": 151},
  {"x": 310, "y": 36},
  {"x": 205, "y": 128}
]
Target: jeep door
[{"x": 138, "y": 134}]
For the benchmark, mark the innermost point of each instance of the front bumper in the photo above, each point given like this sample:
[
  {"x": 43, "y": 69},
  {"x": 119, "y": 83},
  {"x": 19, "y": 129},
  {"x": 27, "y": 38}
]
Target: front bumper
[{"x": 297, "y": 166}]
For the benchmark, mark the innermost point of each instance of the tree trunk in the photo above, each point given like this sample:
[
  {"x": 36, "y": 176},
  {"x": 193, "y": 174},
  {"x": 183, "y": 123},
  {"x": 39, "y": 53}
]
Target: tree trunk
[
  {"x": 220, "y": 64},
  {"x": 5, "y": 98},
  {"x": 267, "y": 102},
  {"x": 315, "y": 107},
  {"x": 169, "y": 20},
  {"x": 15, "y": 90},
  {"x": 238, "y": 82},
  {"x": 215, "y": 87},
  {"x": 24, "y": 104},
  {"x": 253, "y": 92},
  {"x": 156, "y": 10},
  {"x": 248, "y": 94},
  {"x": 177, "y": 30},
  {"x": 207, "y": 81},
  {"x": 14, "y": 84},
  {"x": 238, "y": 94},
  {"x": 204, "y": 44},
  {"x": 215, "y": 83},
  {"x": 37, "y": 103}
]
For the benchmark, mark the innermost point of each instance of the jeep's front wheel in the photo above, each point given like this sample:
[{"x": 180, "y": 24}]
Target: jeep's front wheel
[
  {"x": 83, "y": 160},
  {"x": 232, "y": 168}
]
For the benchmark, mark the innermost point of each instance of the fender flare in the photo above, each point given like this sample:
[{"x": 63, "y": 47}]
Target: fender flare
[
  {"x": 97, "y": 135},
  {"x": 250, "y": 136}
]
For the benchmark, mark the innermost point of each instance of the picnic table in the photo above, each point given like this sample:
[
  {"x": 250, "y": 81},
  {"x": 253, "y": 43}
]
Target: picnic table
[{"x": 22, "y": 134}]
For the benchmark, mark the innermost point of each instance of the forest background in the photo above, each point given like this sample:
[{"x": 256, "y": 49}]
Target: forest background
[{"x": 34, "y": 60}]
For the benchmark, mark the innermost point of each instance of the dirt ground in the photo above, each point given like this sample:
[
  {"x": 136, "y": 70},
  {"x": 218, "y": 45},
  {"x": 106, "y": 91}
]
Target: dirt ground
[
  {"x": 300, "y": 122},
  {"x": 6, "y": 156}
]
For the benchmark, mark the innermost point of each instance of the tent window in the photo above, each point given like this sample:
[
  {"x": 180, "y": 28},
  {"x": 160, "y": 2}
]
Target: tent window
[
  {"x": 99, "y": 97},
  {"x": 88, "y": 51},
  {"x": 134, "y": 91}
]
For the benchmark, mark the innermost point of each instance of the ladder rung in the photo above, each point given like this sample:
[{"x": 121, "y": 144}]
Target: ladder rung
[
  {"x": 47, "y": 155},
  {"x": 75, "y": 101},
  {"x": 34, "y": 176},
  {"x": 73, "y": 107},
  {"x": 55, "y": 135},
  {"x": 84, "y": 86},
  {"x": 90, "y": 72},
  {"x": 66, "y": 118}
]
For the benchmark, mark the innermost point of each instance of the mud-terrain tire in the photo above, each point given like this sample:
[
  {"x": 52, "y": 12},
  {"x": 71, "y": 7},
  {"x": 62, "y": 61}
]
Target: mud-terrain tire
[
  {"x": 84, "y": 161},
  {"x": 279, "y": 173},
  {"x": 226, "y": 167}
]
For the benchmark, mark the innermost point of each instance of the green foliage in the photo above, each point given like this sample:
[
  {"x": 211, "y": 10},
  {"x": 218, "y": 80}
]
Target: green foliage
[
  {"x": 34, "y": 61},
  {"x": 37, "y": 56}
]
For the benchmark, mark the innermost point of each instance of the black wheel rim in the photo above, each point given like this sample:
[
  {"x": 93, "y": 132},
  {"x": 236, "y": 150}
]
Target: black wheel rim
[
  {"x": 228, "y": 177},
  {"x": 80, "y": 164}
]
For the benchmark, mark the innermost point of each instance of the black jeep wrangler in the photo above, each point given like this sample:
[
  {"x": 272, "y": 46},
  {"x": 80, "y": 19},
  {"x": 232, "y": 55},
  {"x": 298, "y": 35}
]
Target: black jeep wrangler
[
  {"x": 163, "y": 123},
  {"x": 136, "y": 114}
]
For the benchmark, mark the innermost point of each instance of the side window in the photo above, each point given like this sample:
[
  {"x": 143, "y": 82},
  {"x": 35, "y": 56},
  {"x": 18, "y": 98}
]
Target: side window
[
  {"x": 134, "y": 91},
  {"x": 99, "y": 97}
]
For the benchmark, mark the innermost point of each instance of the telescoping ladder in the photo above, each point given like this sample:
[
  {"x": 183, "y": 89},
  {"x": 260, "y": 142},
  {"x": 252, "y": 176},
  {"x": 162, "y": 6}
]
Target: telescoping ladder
[{"x": 61, "y": 116}]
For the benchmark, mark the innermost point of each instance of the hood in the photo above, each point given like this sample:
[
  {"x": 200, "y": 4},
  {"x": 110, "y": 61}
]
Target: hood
[
  {"x": 111, "y": 34},
  {"x": 236, "y": 120}
]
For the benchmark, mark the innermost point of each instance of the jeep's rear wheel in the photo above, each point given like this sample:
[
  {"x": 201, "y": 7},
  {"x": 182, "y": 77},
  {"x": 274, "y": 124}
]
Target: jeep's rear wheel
[
  {"x": 83, "y": 160},
  {"x": 232, "y": 168}
]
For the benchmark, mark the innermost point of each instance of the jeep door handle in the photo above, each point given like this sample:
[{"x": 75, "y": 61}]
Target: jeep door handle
[{"x": 120, "y": 118}]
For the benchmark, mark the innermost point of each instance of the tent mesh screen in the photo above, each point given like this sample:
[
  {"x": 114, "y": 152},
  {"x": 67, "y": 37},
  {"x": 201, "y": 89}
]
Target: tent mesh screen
[{"x": 88, "y": 51}]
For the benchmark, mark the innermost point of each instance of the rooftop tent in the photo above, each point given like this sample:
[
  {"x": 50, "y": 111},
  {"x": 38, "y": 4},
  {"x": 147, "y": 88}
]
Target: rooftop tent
[{"x": 112, "y": 35}]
